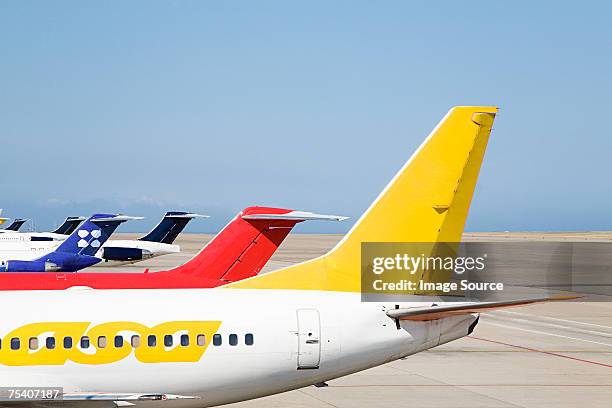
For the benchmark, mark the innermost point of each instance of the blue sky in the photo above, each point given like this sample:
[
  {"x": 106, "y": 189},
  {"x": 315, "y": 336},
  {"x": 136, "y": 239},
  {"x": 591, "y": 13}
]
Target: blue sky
[{"x": 139, "y": 107}]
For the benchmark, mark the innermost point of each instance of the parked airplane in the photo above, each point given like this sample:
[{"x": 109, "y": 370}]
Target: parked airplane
[
  {"x": 2, "y": 220},
  {"x": 239, "y": 251},
  {"x": 156, "y": 243},
  {"x": 114, "y": 252},
  {"x": 74, "y": 253},
  {"x": 298, "y": 326},
  {"x": 52, "y": 238},
  {"x": 15, "y": 225}
]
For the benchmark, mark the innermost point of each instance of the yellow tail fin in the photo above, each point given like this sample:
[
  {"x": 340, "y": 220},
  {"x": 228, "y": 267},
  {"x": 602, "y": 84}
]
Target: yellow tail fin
[{"x": 427, "y": 201}]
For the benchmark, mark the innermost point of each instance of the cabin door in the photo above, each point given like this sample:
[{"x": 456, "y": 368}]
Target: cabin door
[{"x": 309, "y": 339}]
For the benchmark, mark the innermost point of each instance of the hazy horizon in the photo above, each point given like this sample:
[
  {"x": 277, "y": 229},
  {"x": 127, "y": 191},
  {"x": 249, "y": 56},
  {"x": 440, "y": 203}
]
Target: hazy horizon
[{"x": 143, "y": 107}]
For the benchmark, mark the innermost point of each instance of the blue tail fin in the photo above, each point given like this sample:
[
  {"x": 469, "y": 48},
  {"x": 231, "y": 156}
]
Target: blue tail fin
[
  {"x": 92, "y": 234},
  {"x": 16, "y": 224},
  {"x": 77, "y": 251},
  {"x": 69, "y": 225},
  {"x": 170, "y": 226}
]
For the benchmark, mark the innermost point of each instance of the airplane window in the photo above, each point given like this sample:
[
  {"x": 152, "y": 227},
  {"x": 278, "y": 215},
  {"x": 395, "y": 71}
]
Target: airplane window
[
  {"x": 84, "y": 342},
  {"x": 67, "y": 342},
  {"x": 102, "y": 341},
  {"x": 248, "y": 339},
  {"x": 217, "y": 340},
  {"x": 184, "y": 340},
  {"x": 168, "y": 340},
  {"x": 15, "y": 343},
  {"x": 33, "y": 343},
  {"x": 233, "y": 339},
  {"x": 50, "y": 342},
  {"x": 135, "y": 341},
  {"x": 152, "y": 340},
  {"x": 118, "y": 341},
  {"x": 201, "y": 340}
]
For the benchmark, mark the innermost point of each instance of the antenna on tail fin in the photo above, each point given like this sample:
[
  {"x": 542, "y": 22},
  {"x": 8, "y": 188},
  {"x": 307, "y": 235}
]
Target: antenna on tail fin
[{"x": 427, "y": 201}]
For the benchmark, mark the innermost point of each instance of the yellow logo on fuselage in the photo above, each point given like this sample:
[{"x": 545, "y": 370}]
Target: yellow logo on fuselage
[{"x": 98, "y": 354}]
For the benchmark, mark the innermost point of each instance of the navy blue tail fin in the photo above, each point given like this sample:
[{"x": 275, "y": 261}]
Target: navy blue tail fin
[
  {"x": 94, "y": 232},
  {"x": 69, "y": 225},
  {"x": 170, "y": 226},
  {"x": 16, "y": 224}
]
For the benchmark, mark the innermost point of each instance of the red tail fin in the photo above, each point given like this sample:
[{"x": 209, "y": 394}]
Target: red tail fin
[
  {"x": 246, "y": 244},
  {"x": 239, "y": 251}
]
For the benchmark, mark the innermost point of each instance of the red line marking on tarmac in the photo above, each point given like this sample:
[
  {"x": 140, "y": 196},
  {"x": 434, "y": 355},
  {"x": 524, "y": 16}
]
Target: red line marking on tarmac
[
  {"x": 541, "y": 351},
  {"x": 470, "y": 385}
]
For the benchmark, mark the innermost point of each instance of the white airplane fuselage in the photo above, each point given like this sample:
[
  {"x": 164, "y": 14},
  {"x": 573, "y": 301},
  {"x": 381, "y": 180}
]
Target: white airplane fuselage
[
  {"x": 346, "y": 336},
  {"x": 26, "y": 246},
  {"x": 149, "y": 250},
  {"x": 22, "y": 246}
]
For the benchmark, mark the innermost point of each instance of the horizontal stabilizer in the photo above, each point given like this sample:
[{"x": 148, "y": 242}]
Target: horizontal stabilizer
[
  {"x": 441, "y": 311},
  {"x": 120, "y": 218},
  {"x": 187, "y": 215},
  {"x": 295, "y": 216}
]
